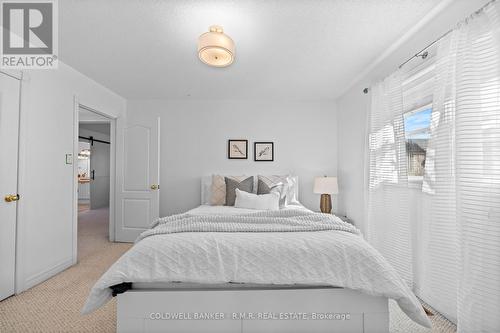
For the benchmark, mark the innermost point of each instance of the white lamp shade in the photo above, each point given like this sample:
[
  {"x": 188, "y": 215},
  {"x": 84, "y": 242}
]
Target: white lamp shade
[
  {"x": 326, "y": 185},
  {"x": 216, "y": 48}
]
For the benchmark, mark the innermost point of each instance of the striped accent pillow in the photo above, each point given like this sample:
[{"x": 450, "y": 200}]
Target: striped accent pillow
[
  {"x": 274, "y": 183},
  {"x": 233, "y": 184},
  {"x": 218, "y": 191}
]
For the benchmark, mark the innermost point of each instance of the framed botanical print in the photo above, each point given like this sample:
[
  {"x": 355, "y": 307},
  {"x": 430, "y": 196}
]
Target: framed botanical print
[
  {"x": 237, "y": 149},
  {"x": 263, "y": 151}
]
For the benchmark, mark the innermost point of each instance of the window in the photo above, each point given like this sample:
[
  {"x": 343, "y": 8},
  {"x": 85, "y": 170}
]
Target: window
[{"x": 417, "y": 132}]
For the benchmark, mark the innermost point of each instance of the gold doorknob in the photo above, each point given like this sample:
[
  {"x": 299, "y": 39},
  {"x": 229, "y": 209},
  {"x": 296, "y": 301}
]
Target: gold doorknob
[
  {"x": 11, "y": 197},
  {"x": 155, "y": 187}
]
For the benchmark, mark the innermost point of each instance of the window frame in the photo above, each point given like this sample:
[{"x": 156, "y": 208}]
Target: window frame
[{"x": 416, "y": 181}]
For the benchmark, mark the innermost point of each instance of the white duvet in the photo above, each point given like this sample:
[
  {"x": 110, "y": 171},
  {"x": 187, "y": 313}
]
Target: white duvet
[{"x": 258, "y": 248}]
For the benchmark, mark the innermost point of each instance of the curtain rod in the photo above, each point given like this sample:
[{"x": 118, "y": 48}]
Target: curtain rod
[
  {"x": 423, "y": 53},
  {"x": 92, "y": 140}
]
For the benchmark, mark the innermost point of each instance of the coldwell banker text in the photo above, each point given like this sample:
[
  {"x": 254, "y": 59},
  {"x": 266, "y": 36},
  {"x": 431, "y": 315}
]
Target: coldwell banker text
[{"x": 29, "y": 34}]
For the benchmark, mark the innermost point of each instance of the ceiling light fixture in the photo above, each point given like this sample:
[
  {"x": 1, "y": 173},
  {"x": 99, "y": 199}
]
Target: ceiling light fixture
[{"x": 215, "y": 48}]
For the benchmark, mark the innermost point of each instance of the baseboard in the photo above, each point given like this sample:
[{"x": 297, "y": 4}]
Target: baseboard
[{"x": 46, "y": 274}]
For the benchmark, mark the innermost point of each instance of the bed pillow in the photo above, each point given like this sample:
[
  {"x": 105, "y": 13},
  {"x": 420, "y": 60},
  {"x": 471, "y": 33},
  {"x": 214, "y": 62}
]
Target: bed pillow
[
  {"x": 218, "y": 191},
  {"x": 254, "y": 201},
  {"x": 233, "y": 184},
  {"x": 268, "y": 184},
  {"x": 292, "y": 192}
]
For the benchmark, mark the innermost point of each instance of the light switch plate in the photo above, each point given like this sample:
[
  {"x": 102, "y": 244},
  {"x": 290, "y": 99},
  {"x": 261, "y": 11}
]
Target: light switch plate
[{"x": 69, "y": 158}]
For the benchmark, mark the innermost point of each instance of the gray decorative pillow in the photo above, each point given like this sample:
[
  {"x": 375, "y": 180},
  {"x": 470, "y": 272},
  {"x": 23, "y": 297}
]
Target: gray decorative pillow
[
  {"x": 231, "y": 186},
  {"x": 268, "y": 184}
]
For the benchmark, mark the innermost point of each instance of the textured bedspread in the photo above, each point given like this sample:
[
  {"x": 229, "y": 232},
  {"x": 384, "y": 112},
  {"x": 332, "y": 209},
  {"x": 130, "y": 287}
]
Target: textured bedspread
[
  {"x": 283, "y": 247},
  {"x": 265, "y": 221}
]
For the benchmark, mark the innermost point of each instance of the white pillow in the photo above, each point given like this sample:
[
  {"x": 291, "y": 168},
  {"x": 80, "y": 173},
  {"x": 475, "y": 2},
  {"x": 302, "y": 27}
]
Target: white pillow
[
  {"x": 247, "y": 200},
  {"x": 292, "y": 191}
]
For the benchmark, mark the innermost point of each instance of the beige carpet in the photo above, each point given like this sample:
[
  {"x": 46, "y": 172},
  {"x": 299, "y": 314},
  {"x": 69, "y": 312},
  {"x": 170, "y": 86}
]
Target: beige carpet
[
  {"x": 83, "y": 206},
  {"x": 54, "y": 305}
]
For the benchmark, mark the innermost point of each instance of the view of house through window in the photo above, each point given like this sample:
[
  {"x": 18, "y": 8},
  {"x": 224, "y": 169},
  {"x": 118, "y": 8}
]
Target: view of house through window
[{"x": 417, "y": 133}]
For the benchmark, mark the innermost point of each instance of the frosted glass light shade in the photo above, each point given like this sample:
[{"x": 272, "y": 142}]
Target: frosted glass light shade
[
  {"x": 216, "y": 48},
  {"x": 326, "y": 185}
]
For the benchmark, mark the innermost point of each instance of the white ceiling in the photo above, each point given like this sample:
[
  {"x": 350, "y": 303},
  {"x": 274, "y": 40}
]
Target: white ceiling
[{"x": 300, "y": 50}]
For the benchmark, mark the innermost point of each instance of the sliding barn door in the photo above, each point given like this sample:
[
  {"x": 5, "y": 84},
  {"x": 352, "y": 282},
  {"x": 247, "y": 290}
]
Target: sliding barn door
[
  {"x": 9, "y": 127},
  {"x": 99, "y": 182},
  {"x": 138, "y": 178}
]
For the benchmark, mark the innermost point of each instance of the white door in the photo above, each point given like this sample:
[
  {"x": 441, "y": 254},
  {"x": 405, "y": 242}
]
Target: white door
[
  {"x": 99, "y": 181},
  {"x": 9, "y": 127},
  {"x": 138, "y": 178}
]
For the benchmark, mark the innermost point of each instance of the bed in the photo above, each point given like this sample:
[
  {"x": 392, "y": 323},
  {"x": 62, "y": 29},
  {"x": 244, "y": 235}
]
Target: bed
[{"x": 226, "y": 269}]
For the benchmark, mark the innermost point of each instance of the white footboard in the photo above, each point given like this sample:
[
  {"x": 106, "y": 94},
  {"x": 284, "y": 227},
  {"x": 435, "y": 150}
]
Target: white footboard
[{"x": 270, "y": 310}]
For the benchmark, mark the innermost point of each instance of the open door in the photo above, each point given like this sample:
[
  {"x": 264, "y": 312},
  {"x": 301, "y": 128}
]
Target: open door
[
  {"x": 9, "y": 127},
  {"x": 138, "y": 178}
]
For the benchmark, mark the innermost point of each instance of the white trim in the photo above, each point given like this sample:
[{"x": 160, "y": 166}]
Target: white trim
[
  {"x": 418, "y": 74},
  {"x": 94, "y": 122},
  {"x": 100, "y": 113},
  {"x": 418, "y": 109},
  {"x": 48, "y": 273},
  {"x": 76, "y": 148},
  {"x": 112, "y": 119},
  {"x": 21, "y": 189},
  {"x": 112, "y": 182}
]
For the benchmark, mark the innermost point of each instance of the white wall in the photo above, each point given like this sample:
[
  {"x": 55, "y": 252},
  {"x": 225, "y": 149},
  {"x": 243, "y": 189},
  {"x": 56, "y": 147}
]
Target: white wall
[
  {"x": 194, "y": 138},
  {"x": 45, "y": 213},
  {"x": 353, "y": 107}
]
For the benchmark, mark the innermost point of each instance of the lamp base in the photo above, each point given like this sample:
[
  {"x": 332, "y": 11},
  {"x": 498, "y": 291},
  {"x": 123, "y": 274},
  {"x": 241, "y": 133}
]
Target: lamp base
[{"x": 326, "y": 203}]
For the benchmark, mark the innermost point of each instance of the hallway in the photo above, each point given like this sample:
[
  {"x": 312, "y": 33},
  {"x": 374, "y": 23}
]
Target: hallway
[{"x": 93, "y": 230}]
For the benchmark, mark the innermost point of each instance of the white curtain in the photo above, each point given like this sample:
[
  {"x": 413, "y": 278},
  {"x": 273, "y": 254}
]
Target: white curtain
[
  {"x": 478, "y": 170},
  {"x": 449, "y": 232},
  {"x": 439, "y": 229},
  {"x": 388, "y": 227}
]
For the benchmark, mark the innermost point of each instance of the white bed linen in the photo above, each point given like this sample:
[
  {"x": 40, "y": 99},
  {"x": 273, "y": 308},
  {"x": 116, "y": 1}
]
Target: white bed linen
[
  {"x": 334, "y": 258},
  {"x": 231, "y": 210}
]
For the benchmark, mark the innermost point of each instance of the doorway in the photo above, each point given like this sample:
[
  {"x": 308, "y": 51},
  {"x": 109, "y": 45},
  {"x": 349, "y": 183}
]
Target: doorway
[{"x": 95, "y": 179}]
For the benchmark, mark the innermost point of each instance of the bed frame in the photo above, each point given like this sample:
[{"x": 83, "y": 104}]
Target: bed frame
[
  {"x": 147, "y": 310},
  {"x": 231, "y": 310}
]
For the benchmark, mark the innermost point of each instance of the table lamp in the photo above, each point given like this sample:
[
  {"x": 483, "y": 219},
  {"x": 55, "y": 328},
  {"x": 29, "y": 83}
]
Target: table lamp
[{"x": 326, "y": 186}]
